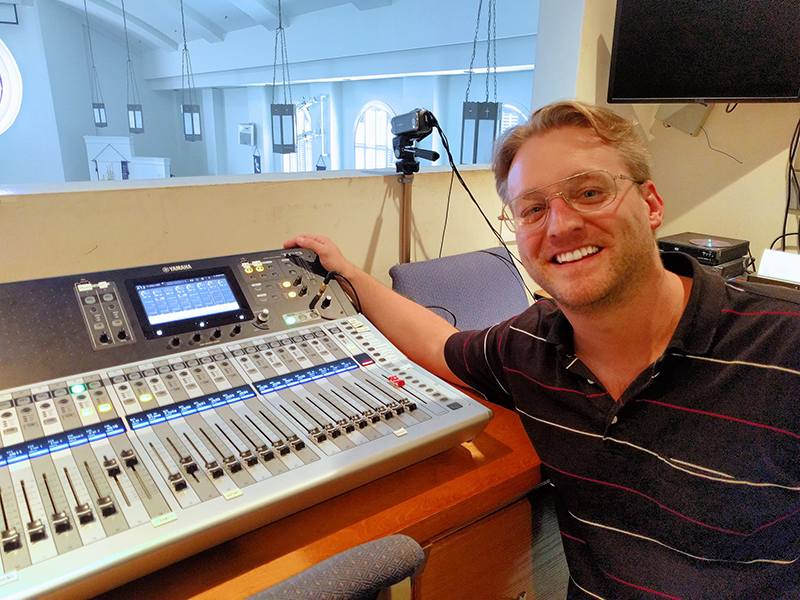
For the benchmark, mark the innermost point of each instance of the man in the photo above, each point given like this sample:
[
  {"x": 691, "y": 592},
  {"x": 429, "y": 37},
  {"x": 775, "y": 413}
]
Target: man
[{"x": 660, "y": 398}]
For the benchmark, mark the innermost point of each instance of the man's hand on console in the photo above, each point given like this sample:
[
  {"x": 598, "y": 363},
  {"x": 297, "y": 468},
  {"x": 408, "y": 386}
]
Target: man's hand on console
[
  {"x": 329, "y": 254},
  {"x": 418, "y": 332}
]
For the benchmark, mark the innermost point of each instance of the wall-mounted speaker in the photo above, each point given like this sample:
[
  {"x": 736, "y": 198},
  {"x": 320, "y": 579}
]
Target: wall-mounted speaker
[{"x": 247, "y": 134}]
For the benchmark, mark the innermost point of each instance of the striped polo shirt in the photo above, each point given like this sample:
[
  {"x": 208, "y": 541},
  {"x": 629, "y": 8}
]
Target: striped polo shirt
[{"x": 689, "y": 485}]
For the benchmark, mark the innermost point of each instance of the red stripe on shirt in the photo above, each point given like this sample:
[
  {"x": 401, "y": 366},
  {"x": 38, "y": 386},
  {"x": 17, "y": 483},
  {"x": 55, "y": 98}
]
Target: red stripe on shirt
[
  {"x": 550, "y": 387},
  {"x": 566, "y": 535},
  {"x": 710, "y": 414},
  {"x": 638, "y": 587},
  {"x": 656, "y": 502},
  {"x": 755, "y": 314},
  {"x": 464, "y": 351}
]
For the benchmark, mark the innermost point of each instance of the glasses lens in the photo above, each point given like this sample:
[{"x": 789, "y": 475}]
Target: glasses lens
[
  {"x": 528, "y": 210},
  {"x": 590, "y": 191}
]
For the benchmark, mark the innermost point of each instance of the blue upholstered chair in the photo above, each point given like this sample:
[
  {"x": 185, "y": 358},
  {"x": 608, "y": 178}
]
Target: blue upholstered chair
[
  {"x": 360, "y": 573},
  {"x": 473, "y": 290}
]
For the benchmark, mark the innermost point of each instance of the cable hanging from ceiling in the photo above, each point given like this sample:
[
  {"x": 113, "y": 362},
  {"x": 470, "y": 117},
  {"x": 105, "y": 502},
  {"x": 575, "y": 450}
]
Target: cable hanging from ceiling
[
  {"x": 190, "y": 108},
  {"x": 283, "y": 115},
  {"x": 480, "y": 120},
  {"x": 98, "y": 106},
  {"x": 135, "y": 115}
]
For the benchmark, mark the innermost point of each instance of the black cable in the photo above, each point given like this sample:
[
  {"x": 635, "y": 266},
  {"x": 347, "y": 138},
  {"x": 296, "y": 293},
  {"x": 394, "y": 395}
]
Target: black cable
[
  {"x": 447, "y": 310},
  {"x": 496, "y": 233},
  {"x": 792, "y": 184},
  {"x": 324, "y": 286},
  {"x": 446, "y": 213},
  {"x": 749, "y": 263},
  {"x": 708, "y": 141},
  {"x": 511, "y": 267},
  {"x": 782, "y": 239}
]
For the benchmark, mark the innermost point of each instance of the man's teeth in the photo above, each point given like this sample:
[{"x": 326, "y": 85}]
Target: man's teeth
[{"x": 576, "y": 254}]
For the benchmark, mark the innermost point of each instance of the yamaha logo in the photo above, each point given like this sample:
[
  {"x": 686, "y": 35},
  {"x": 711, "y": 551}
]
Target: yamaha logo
[{"x": 173, "y": 268}]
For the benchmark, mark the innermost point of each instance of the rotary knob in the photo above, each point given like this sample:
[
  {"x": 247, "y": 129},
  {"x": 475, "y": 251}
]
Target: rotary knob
[{"x": 263, "y": 316}]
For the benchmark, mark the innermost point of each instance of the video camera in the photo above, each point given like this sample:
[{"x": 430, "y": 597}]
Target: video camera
[{"x": 408, "y": 129}]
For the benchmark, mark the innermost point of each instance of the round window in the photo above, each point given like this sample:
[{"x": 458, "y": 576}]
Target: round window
[{"x": 10, "y": 88}]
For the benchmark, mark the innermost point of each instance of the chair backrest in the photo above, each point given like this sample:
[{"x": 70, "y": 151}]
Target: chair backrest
[
  {"x": 359, "y": 573},
  {"x": 473, "y": 290}
]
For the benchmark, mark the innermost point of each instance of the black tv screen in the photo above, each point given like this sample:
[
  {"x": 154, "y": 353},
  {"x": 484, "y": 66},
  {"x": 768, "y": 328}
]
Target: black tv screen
[{"x": 706, "y": 51}]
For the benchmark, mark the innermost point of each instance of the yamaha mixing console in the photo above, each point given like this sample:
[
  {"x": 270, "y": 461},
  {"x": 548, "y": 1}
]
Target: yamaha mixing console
[{"x": 175, "y": 406}]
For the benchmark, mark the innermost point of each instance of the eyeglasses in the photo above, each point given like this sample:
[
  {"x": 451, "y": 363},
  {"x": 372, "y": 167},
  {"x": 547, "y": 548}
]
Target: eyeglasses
[{"x": 584, "y": 192}]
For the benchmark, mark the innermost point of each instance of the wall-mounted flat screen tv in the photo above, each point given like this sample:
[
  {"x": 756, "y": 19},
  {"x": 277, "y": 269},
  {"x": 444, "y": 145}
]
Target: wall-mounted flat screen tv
[{"x": 705, "y": 51}]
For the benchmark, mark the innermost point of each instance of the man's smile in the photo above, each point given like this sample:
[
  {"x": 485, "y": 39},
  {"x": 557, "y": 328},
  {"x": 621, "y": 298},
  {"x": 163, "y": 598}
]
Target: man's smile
[{"x": 566, "y": 257}]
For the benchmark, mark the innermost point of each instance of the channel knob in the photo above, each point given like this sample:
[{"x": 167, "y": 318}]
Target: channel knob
[{"x": 263, "y": 316}]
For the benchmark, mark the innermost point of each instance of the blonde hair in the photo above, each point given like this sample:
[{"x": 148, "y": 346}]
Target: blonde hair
[{"x": 609, "y": 127}]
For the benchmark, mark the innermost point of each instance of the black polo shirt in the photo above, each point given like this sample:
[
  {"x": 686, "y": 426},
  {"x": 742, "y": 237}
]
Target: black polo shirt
[{"x": 689, "y": 485}]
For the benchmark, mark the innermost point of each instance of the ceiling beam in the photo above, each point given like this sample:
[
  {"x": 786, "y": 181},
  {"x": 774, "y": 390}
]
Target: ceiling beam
[
  {"x": 208, "y": 30},
  {"x": 262, "y": 12},
  {"x": 370, "y": 4},
  {"x": 159, "y": 38}
]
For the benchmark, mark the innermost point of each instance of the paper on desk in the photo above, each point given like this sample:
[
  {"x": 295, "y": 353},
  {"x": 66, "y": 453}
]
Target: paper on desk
[{"x": 780, "y": 265}]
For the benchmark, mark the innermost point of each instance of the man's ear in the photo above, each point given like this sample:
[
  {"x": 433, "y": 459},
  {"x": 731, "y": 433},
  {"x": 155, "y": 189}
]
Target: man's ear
[{"x": 654, "y": 202}]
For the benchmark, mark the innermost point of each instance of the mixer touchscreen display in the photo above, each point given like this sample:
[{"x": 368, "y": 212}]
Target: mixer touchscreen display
[
  {"x": 169, "y": 301},
  {"x": 179, "y": 302}
]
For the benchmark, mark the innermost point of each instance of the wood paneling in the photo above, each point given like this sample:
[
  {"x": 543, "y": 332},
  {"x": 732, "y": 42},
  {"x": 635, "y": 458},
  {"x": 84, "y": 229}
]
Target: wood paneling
[{"x": 514, "y": 551}]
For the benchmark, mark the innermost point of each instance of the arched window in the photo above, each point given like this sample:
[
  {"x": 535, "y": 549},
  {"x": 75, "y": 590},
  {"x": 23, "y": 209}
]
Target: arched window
[
  {"x": 10, "y": 88},
  {"x": 301, "y": 159},
  {"x": 373, "y": 137},
  {"x": 512, "y": 116}
]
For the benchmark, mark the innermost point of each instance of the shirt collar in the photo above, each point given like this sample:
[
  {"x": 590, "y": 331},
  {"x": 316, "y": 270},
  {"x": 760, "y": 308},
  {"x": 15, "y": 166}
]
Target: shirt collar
[{"x": 700, "y": 319}]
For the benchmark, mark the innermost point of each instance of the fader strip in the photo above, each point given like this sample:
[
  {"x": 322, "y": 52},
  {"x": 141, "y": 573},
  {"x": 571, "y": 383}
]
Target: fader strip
[{"x": 197, "y": 419}]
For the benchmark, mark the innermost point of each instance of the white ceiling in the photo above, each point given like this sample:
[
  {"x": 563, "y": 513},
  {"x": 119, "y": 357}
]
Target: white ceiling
[{"x": 156, "y": 24}]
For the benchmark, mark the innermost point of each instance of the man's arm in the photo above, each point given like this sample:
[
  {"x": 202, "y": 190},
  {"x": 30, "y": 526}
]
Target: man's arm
[{"x": 416, "y": 331}]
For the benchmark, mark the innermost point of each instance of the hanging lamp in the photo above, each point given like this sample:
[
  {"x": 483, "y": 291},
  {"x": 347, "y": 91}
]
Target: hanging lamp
[
  {"x": 98, "y": 106},
  {"x": 189, "y": 106},
  {"x": 135, "y": 116},
  {"x": 283, "y": 115},
  {"x": 480, "y": 120}
]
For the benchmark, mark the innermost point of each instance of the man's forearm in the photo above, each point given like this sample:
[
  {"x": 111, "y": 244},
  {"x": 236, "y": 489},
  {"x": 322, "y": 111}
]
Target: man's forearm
[{"x": 416, "y": 331}]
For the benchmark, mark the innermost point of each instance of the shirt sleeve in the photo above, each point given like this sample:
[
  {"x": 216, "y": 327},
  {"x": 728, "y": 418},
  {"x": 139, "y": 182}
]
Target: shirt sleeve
[{"x": 474, "y": 357}]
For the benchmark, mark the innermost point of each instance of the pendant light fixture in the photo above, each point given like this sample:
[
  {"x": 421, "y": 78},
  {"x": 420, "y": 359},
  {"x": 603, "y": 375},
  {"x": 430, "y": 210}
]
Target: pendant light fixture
[
  {"x": 190, "y": 109},
  {"x": 480, "y": 120},
  {"x": 98, "y": 106},
  {"x": 135, "y": 116},
  {"x": 283, "y": 125}
]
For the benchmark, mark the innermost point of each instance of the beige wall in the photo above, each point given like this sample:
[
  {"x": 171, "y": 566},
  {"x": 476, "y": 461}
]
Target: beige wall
[
  {"x": 59, "y": 233},
  {"x": 704, "y": 191}
]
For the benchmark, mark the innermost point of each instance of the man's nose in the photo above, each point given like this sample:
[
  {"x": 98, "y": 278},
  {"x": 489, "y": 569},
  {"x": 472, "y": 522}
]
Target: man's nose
[{"x": 562, "y": 219}]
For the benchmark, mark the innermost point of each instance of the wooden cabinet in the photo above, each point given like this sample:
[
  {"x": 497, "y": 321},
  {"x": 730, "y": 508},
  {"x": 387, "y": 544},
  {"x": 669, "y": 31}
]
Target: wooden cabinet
[{"x": 513, "y": 553}]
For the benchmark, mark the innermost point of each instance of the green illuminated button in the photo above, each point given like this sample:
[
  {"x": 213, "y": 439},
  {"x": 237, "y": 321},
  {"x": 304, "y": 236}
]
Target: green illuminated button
[
  {"x": 78, "y": 388},
  {"x": 290, "y": 319}
]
